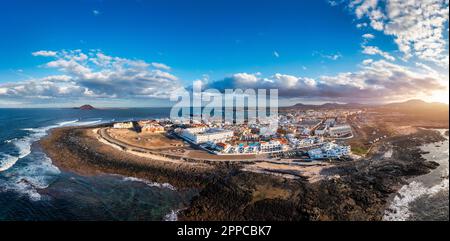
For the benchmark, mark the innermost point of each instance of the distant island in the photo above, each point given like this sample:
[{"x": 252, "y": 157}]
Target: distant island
[{"x": 85, "y": 107}]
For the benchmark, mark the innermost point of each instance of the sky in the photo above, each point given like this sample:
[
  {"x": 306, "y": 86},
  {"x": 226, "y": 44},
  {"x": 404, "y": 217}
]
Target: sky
[{"x": 137, "y": 53}]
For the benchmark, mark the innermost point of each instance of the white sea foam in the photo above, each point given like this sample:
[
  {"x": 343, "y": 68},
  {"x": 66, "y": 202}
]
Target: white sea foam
[
  {"x": 150, "y": 184},
  {"x": 37, "y": 172},
  {"x": 7, "y": 161},
  {"x": 23, "y": 144},
  {"x": 399, "y": 208},
  {"x": 67, "y": 122},
  {"x": 172, "y": 216},
  {"x": 86, "y": 123}
]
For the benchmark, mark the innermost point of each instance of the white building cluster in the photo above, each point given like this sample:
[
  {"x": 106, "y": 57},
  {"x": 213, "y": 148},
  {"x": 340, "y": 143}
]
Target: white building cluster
[
  {"x": 273, "y": 146},
  {"x": 329, "y": 150}
]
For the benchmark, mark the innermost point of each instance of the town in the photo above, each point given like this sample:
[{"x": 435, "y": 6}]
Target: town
[{"x": 306, "y": 134}]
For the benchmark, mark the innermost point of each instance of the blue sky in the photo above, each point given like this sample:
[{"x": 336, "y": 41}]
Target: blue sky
[{"x": 213, "y": 41}]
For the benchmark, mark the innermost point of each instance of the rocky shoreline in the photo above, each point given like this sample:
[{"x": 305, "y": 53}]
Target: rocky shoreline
[{"x": 359, "y": 190}]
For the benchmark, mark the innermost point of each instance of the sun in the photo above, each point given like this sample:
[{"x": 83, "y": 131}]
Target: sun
[{"x": 439, "y": 96}]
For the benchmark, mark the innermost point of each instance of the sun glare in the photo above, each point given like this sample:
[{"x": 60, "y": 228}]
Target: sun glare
[{"x": 439, "y": 96}]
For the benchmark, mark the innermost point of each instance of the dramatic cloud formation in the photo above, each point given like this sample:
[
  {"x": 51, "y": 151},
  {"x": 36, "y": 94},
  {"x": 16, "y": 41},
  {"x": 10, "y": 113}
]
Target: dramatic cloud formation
[
  {"x": 418, "y": 26},
  {"x": 95, "y": 75},
  {"x": 376, "y": 80}
]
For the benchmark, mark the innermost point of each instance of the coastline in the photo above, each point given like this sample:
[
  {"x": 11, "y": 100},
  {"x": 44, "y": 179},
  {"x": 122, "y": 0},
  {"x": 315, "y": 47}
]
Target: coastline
[
  {"x": 72, "y": 150},
  {"x": 356, "y": 190},
  {"x": 424, "y": 192}
]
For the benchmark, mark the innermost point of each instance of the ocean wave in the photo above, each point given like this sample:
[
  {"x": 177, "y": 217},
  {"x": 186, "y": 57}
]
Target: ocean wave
[
  {"x": 148, "y": 183},
  {"x": 38, "y": 171},
  {"x": 23, "y": 145},
  {"x": 63, "y": 123},
  {"x": 87, "y": 123},
  {"x": 172, "y": 216},
  {"x": 399, "y": 208},
  {"x": 7, "y": 161},
  {"x": 35, "y": 174}
]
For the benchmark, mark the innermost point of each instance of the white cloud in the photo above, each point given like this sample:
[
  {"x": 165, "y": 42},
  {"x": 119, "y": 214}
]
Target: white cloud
[
  {"x": 367, "y": 61},
  {"x": 375, "y": 81},
  {"x": 417, "y": 26},
  {"x": 361, "y": 25},
  {"x": 44, "y": 53},
  {"x": 245, "y": 78},
  {"x": 160, "y": 66},
  {"x": 368, "y": 36},
  {"x": 95, "y": 75},
  {"x": 373, "y": 50},
  {"x": 335, "y": 56},
  {"x": 95, "y": 12},
  {"x": 276, "y": 54},
  {"x": 333, "y": 3}
]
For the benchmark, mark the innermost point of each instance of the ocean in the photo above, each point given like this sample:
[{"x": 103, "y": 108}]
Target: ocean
[
  {"x": 425, "y": 197},
  {"x": 32, "y": 188}
]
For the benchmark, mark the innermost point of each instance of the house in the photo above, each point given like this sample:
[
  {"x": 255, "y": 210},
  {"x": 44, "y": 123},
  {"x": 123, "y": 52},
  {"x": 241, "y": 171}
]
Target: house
[
  {"x": 152, "y": 128},
  {"x": 329, "y": 150},
  {"x": 222, "y": 147},
  {"x": 341, "y": 130},
  {"x": 330, "y": 122},
  {"x": 270, "y": 146},
  {"x": 123, "y": 125},
  {"x": 320, "y": 131},
  {"x": 199, "y": 135}
]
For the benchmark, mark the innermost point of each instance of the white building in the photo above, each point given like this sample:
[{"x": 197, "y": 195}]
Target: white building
[
  {"x": 271, "y": 146},
  {"x": 152, "y": 128},
  {"x": 342, "y": 130},
  {"x": 222, "y": 147},
  {"x": 123, "y": 125},
  {"x": 308, "y": 141},
  {"x": 320, "y": 131},
  {"x": 330, "y": 122},
  {"x": 202, "y": 134},
  {"x": 329, "y": 150}
]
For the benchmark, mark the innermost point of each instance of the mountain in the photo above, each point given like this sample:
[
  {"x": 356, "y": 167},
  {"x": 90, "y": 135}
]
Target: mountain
[
  {"x": 327, "y": 106},
  {"x": 418, "y": 108},
  {"x": 414, "y": 104},
  {"x": 86, "y": 107}
]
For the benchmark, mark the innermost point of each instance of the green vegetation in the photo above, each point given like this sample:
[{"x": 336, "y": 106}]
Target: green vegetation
[{"x": 360, "y": 150}]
